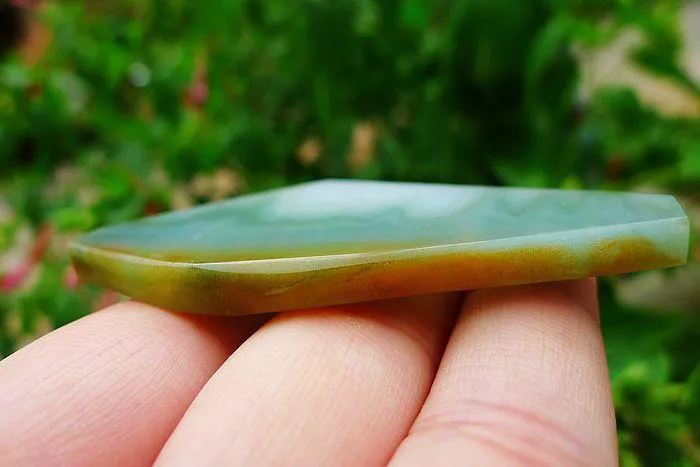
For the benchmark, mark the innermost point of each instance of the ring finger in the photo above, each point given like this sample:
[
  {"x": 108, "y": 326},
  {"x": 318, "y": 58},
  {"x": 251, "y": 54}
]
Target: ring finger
[{"x": 523, "y": 382}]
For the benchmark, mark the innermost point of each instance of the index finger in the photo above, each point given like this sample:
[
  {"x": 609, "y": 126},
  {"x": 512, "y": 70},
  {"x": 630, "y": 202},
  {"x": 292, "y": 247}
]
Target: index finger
[{"x": 109, "y": 388}]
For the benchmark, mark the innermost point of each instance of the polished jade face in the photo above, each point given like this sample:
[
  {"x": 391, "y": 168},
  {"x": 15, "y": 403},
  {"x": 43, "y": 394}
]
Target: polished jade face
[{"x": 342, "y": 241}]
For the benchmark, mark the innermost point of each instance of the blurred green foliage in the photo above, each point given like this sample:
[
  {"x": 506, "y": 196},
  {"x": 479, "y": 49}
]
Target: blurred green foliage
[{"x": 131, "y": 105}]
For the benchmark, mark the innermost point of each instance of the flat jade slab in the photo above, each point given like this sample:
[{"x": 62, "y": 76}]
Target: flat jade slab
[{"x": 343, "y": 241}]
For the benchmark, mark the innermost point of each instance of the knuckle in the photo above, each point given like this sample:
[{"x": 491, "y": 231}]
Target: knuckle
[{"x": 524, "y": 436}]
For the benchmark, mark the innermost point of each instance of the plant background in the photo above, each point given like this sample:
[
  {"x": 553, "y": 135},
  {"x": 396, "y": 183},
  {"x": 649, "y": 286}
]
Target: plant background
[{"x": 115, "y": 110}]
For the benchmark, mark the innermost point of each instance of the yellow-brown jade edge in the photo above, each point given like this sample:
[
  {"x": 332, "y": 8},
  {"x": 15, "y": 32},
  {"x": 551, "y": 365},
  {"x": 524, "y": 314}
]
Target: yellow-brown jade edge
[{"x": 193, "y": 288}]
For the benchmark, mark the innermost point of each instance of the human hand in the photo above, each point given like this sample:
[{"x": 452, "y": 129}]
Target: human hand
[{"x": 517, "y": 377}]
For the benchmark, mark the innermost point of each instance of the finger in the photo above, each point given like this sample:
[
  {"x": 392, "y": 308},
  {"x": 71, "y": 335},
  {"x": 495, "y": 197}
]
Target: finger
[
  {"x": 337, "y": 386},
  {"x": 523, "y": 382},
  {"x": 108, "y": 389}
]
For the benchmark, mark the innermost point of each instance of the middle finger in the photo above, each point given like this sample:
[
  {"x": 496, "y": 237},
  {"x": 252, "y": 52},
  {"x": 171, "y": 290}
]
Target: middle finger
[{"x": 311, "y": 387}]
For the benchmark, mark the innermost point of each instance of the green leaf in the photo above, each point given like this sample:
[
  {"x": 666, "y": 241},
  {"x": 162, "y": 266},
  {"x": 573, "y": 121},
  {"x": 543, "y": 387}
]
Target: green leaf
[
  {"x": 14, "y": 75},
  {"x": 522, "y": 175},
  {"x": 548, "y": 47},
  {"x": 415, "y": 14},
  {"x": 693, "y": 408},
  {"x": 690, "y": 161},
  {"x": 634, "y": 341},
  {"x": 73, "y": 218}
]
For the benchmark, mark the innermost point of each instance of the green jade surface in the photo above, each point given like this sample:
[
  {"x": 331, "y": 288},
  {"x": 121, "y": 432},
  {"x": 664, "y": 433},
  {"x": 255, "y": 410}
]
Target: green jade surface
[{"x": 341, "y": 241}]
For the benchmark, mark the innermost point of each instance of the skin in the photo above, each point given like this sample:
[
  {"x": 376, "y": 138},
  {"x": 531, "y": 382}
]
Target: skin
[{"x": 511, "y": 377}]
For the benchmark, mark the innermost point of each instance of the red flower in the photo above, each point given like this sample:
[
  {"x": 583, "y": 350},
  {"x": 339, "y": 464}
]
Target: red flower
[
  {"x": 198, "y": 92},
  {"x": 70, "y": 278},
  {"x": 15, "y": 278},
  {"x": 24, "y": 3}
]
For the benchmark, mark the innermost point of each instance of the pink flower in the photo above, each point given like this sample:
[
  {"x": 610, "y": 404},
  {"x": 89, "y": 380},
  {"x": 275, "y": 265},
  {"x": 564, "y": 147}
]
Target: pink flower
[
  {"x": 70, "y": 278},
  {"x": 197, "y": 94},
  {"x": 15, "y": 278},
  {"x": 198, "y": 91},
  {"x": 24, "y": 3}
]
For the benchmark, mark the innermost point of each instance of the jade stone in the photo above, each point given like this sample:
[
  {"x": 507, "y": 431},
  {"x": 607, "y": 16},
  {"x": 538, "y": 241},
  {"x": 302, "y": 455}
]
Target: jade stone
[{"x": 343, "y": 241}]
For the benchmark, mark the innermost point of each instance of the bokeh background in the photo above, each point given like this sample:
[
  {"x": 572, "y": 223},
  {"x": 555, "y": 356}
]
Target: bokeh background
[{"x": 112, "y": 110}]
